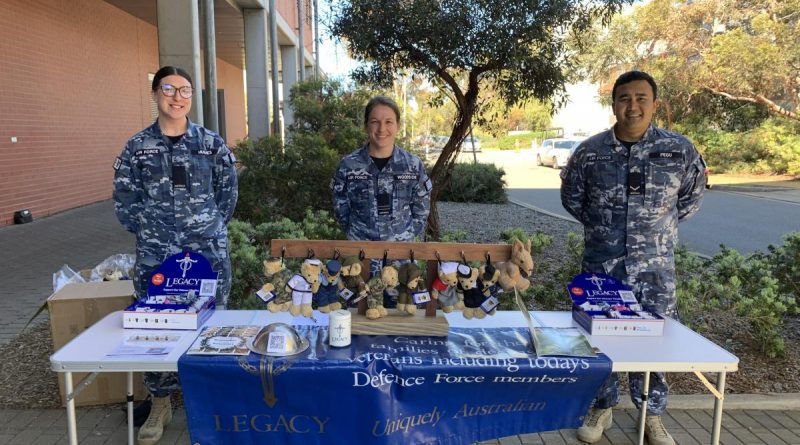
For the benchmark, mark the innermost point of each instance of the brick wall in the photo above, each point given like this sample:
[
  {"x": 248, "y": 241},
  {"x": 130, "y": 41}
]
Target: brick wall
[{"x": 73, "y": 89}]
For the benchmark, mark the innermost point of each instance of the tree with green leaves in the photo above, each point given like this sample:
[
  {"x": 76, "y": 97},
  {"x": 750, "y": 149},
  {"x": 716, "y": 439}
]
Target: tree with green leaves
[
  {"x": 746, "y": 52},
  {"x": 519, "y": 47},
  {"x": 285, "y": 179}
]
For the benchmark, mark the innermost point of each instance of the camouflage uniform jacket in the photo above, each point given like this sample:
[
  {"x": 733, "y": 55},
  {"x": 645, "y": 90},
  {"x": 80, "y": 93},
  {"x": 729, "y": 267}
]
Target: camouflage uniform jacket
[
  {"x": 279, "y": 280},
  {"x": 376, "y": 287},
  {"x": 169, "y": 214},
  {"x": 630, "y": 233},
  {"x": 356, "y": 189}
]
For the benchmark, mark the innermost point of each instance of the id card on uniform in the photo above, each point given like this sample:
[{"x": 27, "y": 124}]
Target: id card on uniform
[{"x": 420, "y": 297}]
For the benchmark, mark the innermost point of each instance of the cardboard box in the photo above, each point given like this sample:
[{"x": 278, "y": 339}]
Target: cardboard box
[{"x": 73, "y": 309}]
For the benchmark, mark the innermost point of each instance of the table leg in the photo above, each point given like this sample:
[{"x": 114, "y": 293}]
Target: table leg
[
  {"x": 72, "y": 426},
  {"x": 130, "y": 408},
  {"x": 718, "y": 409},
  {"x": 643, "y": 410}
]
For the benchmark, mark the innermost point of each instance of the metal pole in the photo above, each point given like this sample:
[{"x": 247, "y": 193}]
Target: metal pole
[
  {"x": 210, "y": 108},
  {"x": 129, "y": 382},
  {"x": 72, "y": 433},
  {"x": 301, "y": 39},
  {"x": 273, "y": 46},
  {"x": 718, "y": 409},
  {"x": 643, "y": 412},
  {"x": 316, "y": 39}
]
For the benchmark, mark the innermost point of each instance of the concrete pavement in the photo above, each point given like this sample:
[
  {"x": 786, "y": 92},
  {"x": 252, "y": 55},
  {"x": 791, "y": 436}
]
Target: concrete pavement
[{"x": 83, "y": 237}]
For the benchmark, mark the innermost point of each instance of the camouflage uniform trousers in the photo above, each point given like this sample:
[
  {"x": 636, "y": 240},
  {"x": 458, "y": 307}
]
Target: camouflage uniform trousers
[
  {"x": 659, "y": 290},
  {"x": 148, "y": 259}
]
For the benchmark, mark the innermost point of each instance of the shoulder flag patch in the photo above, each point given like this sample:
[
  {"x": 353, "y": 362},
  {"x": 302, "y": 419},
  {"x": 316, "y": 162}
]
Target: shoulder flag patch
[{"x": 117, "y": 163}]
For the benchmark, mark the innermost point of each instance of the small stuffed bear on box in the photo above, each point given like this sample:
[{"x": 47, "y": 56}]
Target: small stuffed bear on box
[
  {"x": 351, "y": 278},
  {"x": 303, "y": 286},
  {"x": 443, "y": 287},
  {"x": 329, "y": 281},
  {"x": 277, "y": 277},
  {"x": 377, "y": 285},
  {"x": 471, "y": 294},
  {"x": 411, "y": 281}
]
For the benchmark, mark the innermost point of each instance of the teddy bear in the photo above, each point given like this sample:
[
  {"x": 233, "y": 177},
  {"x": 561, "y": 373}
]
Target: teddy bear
[
  {"x": 277, "y": 277},
  {"x": 488, "y": 276},
  {"x": 352, "y": 287},
  {"x": 303, "y": 286},
  {"x": 329, "y": 280},
  {"x": 387, "y": 280},
  {"x": 470, "y": 293},
  {"x": 515, "y": 272},
  {"x": 411, "y": 282},
  {"x": 443, "y": 287}
]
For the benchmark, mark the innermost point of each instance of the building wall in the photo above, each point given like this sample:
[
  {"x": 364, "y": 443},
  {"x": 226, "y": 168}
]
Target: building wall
[
  {"x": 73, "y": 88},
  {"x": 288, "y": 10}
]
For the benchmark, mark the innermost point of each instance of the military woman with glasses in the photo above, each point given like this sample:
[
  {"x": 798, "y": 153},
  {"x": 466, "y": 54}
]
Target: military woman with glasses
[{"x": 175, "y": 188}]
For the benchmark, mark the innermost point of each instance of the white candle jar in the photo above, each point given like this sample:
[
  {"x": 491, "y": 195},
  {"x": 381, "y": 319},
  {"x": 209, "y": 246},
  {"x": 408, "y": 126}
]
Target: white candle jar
[{"x": 339, "y": 329}]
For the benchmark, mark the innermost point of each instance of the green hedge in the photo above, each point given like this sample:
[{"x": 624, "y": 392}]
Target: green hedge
[{"x": 469, "y": 182}]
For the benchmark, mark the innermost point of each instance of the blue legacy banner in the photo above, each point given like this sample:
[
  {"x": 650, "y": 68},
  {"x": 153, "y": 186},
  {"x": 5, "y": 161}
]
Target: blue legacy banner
[{"x": 474, "y": 385}]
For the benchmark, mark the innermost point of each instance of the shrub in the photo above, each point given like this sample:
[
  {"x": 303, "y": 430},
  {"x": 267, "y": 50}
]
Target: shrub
[
  {"x": 482, "y": 183},
  {"x": 773, "y": 147},
  {"x": 755, "y": 288},
  {"x": 278, "y": 182},
  {"x": 285, "y": 179}
]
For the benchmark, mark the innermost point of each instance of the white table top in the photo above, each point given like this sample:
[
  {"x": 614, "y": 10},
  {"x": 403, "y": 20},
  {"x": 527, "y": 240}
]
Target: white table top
[{"x": 678, "y": 350}]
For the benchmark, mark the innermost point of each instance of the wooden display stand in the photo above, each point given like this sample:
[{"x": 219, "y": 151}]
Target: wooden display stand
[{"x": 428, "y": 324}]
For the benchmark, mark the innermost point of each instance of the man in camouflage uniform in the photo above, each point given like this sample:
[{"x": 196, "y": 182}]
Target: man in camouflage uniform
[
  {"x": 175, "y": 187},
  {"x": 629, "y": 187}
]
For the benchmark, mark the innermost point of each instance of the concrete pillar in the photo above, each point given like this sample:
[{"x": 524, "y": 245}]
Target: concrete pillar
[
  {"x": 316, "y": 40},
  {"x": 211, "y": 110},
  {"x": 301, "y": 38},
  {"x": 273, "y": 46},
  {"x": 256, "y": 55},
  {"x": 179, "y": 44},
  {"x": 289, "y": 71}
]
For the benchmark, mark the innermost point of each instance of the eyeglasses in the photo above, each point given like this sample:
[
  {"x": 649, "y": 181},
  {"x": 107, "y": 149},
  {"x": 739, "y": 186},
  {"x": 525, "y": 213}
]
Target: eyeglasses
[{"x": 170, "y": 90}]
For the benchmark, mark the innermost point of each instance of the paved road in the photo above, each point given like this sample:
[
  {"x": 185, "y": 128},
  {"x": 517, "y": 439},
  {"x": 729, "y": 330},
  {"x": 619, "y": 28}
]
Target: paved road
[{"x": 746, "y": 219}]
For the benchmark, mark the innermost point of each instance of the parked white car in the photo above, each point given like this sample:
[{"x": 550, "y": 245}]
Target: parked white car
[
  {"x": 557, "y": 151},
  {"x": 470, "y": 144}
]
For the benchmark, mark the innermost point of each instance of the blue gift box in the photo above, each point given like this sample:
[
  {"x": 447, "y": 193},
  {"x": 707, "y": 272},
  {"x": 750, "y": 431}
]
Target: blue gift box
[
  {"x": 181, "y": 295},
  {"x": 602, "y": 305}
]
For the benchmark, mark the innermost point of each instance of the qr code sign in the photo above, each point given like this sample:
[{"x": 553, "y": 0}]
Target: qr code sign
[
  {"x": 627, "y": 296},
  {"x": 208, "y": 288},
  {"x": 277, "y": 342}
]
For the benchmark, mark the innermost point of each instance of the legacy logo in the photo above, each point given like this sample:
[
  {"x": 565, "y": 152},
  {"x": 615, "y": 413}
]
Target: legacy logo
[
  {"x": 185, "y": 264},
  {"x": 597, "y": 281}
]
